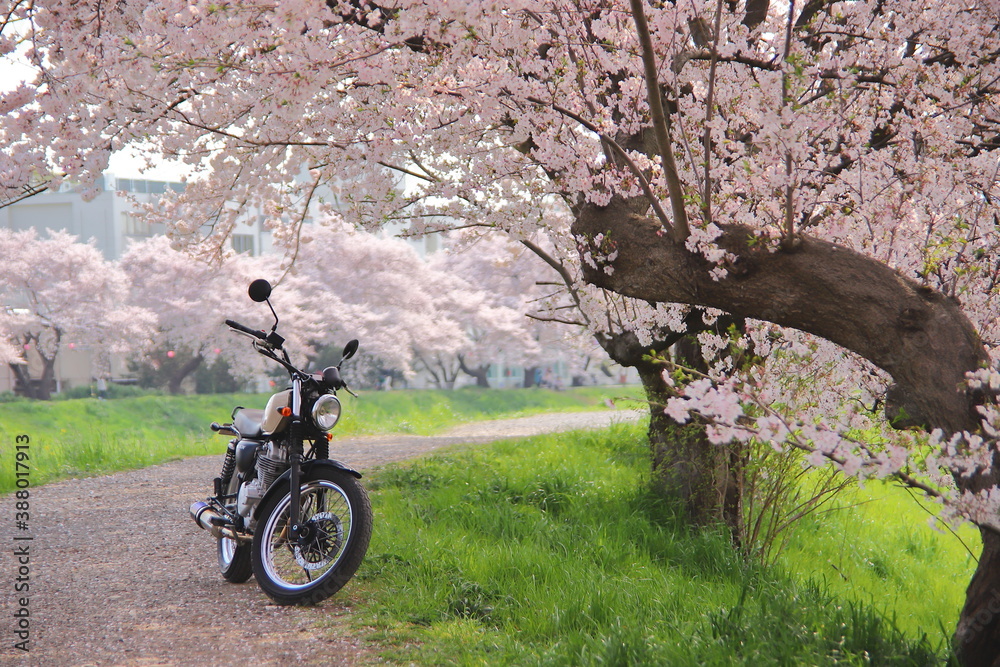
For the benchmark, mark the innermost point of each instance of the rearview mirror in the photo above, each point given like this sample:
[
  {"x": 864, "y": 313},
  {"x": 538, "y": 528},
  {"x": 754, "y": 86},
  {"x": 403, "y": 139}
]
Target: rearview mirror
[
  {"x": 349, "y": 350},
  {"x": 259, "y": 290}
]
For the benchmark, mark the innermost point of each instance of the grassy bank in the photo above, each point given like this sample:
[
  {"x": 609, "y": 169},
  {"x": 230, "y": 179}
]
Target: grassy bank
[
  {"x": 87, "y": 436},
  {"x": 551, "y": 551}
]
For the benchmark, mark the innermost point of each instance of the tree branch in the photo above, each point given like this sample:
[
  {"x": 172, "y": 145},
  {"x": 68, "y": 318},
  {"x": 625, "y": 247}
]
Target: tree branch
[
  {"x": 633, "y": 167},
  {"x": 661, "y": 124},
  {"x": 555, "y": 319},
  {"x": 917, "y": 335},
  {"x": 789, "y": 190},
  {"x": 26, "y": 191},
  {"x": 706, "y": 203}
]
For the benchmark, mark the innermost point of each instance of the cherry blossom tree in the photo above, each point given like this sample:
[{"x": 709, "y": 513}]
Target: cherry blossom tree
[
  {"x": 825, "y": 174},
  {"x": 488, "y": 286},
  {"x": 411, "y": 313},
  {"x": 56, "y": 290},
  {"x": 371, "y": 287},
  {"x": 190, "y": 299}
]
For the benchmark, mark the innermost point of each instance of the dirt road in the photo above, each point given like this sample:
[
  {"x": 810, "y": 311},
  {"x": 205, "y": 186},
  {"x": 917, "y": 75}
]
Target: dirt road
[{"x": 120, "y": 575}]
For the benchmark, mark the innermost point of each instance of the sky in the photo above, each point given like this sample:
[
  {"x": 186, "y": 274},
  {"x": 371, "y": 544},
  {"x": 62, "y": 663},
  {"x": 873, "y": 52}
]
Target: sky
[{"x": 127, "y": 164}]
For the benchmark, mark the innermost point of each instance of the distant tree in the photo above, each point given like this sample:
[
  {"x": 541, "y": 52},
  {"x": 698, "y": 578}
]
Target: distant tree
[
  {"x": 191, "y": 298},
  {"x": 412, "y": 313},
  {"x": 58, "y": 291},
  {"x": 374, "y": 288},
  {"x": 488, "y": 286}
]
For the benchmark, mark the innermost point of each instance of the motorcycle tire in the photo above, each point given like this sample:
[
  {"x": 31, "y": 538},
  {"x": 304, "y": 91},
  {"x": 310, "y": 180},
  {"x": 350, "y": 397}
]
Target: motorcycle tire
[
  {"x": 336, "y": 526},
  {"x": 234, "y": 557}
]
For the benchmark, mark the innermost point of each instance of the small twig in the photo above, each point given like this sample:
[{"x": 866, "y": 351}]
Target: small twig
[{"x": 949, "y": 528}]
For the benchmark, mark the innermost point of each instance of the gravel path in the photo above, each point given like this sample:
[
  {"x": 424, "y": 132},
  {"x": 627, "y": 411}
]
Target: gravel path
[{"x": 120, "y": 575}]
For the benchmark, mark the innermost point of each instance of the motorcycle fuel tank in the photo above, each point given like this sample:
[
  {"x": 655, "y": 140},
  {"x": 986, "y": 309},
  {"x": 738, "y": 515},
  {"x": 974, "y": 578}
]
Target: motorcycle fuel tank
[{"x": 273, "y": 419}]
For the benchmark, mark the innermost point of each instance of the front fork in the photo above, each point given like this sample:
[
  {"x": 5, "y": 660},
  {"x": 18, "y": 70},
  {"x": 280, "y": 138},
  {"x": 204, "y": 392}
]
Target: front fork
[
  {"x": 295, "y": 475},
  {"x": 295, "y": 459}
]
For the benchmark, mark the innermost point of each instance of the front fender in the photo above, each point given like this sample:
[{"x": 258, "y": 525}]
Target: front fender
[{"x": 308, "y": 469}]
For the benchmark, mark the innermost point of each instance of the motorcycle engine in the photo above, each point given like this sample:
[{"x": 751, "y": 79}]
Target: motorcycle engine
[{"x": 272, "y": 461}]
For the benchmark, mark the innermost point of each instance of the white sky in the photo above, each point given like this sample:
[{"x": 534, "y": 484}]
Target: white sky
[{"x": 127, "y": 164}]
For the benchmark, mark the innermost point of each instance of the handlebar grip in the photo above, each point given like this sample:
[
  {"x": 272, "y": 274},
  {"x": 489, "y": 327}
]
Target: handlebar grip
[
  {"x": 247, "y": 330},
  {"x": 224, "y": 429}
]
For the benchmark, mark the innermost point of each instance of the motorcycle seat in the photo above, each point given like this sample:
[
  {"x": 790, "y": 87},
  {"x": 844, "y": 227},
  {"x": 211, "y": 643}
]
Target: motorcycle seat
[{"x": 249, "y": 423}]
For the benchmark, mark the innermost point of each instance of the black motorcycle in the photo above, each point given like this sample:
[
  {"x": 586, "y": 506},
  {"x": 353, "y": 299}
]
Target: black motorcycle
[{"x": 283, "y": 511}]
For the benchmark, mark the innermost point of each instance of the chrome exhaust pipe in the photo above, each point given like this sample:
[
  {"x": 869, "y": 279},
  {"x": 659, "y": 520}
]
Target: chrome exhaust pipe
[{"x": 213, "y": 522}]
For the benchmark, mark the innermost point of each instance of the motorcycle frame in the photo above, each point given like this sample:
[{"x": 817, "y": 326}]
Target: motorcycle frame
[{"x": 295, "y": 433}]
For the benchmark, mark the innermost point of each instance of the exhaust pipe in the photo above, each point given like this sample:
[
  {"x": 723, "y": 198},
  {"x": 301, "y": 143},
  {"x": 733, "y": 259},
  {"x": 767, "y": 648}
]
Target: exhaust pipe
[{"x": 213, "y": 522}]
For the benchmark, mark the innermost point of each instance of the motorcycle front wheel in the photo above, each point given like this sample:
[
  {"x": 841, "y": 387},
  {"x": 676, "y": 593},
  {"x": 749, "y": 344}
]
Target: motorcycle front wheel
[
  {"x": 234, "y": 557},
  {"x": 335, "y": 526}
]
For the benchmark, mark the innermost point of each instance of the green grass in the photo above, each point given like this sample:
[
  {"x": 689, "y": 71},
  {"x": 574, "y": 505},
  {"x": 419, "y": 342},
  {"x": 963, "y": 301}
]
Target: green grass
[
  {"x": 552, "y": 551},
  {"x": 430, "y": 411},
  {"x": 879, "y": 549},
  {"x": 85, "y": 436}
]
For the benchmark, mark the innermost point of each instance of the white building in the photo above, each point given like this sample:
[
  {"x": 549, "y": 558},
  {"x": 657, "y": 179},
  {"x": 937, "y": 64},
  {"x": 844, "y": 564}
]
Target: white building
[{"x": 109, "y": 219}]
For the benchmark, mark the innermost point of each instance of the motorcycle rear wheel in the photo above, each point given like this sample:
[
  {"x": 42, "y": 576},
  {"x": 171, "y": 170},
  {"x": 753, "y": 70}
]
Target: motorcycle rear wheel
[
  {"x": 234, "y": 557},
  {"x": 336, "y": 525}
]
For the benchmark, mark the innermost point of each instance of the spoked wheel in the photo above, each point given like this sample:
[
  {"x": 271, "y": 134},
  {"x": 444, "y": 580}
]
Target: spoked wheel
[
  {"x": 234, "y": 557},
  {"x": 336, "y": 525}
]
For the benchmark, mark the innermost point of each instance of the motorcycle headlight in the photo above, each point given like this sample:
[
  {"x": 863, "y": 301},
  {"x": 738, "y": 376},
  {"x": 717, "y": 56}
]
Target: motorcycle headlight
[{"x": 326, "y": 412}]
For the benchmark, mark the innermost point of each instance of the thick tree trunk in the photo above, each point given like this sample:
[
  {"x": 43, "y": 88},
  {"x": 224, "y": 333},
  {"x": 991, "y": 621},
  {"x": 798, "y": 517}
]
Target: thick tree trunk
[
  {"x": 22, "y": 381},
  {"x": 977, "y": 637},
  {"x": 917, "y": 335},
  {"x": 479, "y": 372},
  {"x": 47, "y": 383},
  {"x": 723, "y": 461},
  {"x": 174, "y": 385},
  {"x": 705, "y": 477},
  {"x": 40, "y": 389},
  {"x": 687, "y": 465}
]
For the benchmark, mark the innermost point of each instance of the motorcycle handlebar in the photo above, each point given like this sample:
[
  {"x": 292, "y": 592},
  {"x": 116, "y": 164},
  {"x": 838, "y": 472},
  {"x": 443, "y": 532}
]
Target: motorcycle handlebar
[{"x": 247, "y": 330}]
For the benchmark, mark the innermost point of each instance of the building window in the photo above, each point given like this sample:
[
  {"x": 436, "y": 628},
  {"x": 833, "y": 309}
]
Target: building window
[
  {"x": 136, "y": 225},
  {"x": 243, "y": 243}
]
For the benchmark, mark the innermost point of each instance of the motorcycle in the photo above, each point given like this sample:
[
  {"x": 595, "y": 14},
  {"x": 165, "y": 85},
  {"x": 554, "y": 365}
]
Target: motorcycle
[{"x": 283, "y": 512}]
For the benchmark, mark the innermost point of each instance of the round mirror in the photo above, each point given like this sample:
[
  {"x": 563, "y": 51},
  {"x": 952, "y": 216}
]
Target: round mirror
[
  {"x": 349, "y": 350},
  {"x": 259, "y": 290}
]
